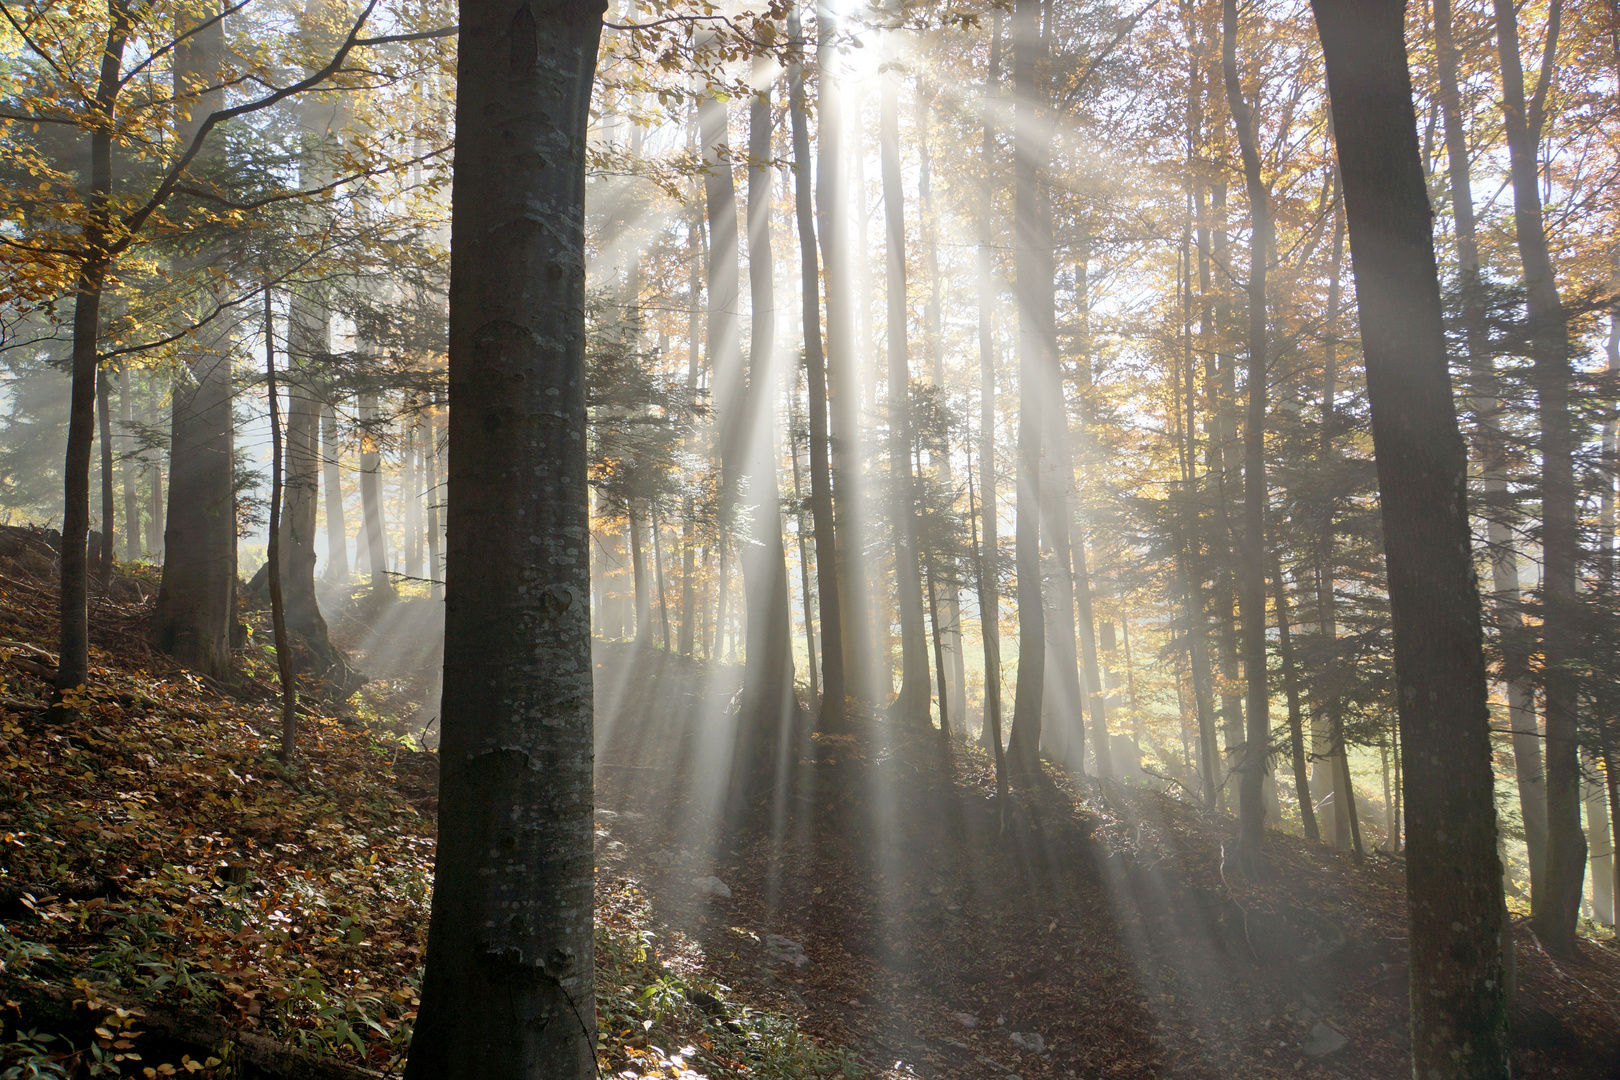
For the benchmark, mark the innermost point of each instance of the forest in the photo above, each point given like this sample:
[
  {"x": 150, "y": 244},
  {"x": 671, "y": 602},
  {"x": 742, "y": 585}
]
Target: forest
[{"x": 546, "y": 539}]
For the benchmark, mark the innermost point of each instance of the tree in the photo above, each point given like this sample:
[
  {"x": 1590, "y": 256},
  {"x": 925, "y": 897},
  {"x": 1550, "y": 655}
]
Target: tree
[
  {"x": 1252, "y": 577},
  {"x": 508, "y": 989},
  {"x": 832, "y": 716},
  {"x": 1037, "y": 346},
  {"x": 1454, "y": 885},
  {"x": 1555, "y": 908}
]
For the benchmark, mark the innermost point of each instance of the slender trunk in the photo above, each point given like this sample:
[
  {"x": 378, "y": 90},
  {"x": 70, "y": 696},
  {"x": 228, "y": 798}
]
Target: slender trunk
[
  {"x": 371, "y": 500},
  {"x": 934, "y": 334},
  {"x": 988, "y": 557},
  {"x": 73, "y": 643},
  {"x": 658, "y": 574},
  {"x": 1498, "y": 507},
  {"x": 804, "y": 563},
  {"x": 1032, "y": 229},
  {"x": 1325, "y": 745},
  {"x": 942, "y": 693},
  {"x": 992, "y": 652},
  {"x": 509, "y": 989},
  {"x": 912, "y": 703},
  {"x": 1296, "y": 725},
  {"x": 1072, "y": 541},
  {"x": 306, "y": 346},
  {"x": 1252, "y": 588},
  {"x": 412, "y": 483},
  {"x": 694, "y": 244},
  {"x": 337, "y": 539},
  {"x": 153, "y": 461},
  {"x": 104, "y": 555},
  {"x": 278, "y": 607},
  {"x": 435, "y": 568},
  {"x": 1554, "y": 912},
  {"x": 638, "y": 572},
  {"x": 1455, "y": 909},
  {"x": 833, "y": 678},
  {"x": 132, "y": 500},
  {"x": 1602, "y": 845},
  {"x": 843, "y": 390}
]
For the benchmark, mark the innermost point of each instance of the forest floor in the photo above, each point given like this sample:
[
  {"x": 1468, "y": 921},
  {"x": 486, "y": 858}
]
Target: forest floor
[{"x": 162, "y": 873}]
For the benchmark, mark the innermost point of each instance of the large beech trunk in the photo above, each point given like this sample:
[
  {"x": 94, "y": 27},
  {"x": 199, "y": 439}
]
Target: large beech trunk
[
  {"x": 1454, "y": 884},
  {"x": 509, "y": 990}
]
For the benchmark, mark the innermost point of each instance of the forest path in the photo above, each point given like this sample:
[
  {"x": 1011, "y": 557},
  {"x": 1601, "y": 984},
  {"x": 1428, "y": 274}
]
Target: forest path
[{"x": 1087, "y": 939}]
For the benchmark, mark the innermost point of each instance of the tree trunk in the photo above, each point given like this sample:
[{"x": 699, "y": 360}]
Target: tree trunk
[
  {"x": 1296, "y": 726},
  {"x": 934, "y": 333},
  {"x": 73, "y": 642},
  {"x": 306, "y": 347},
  {"x": 435, "y": 567},
  {"x": 768, "y": 677},
  {"x": 1554, "y": 912},
  {"x": 132, "y": 500},
  {"x": 833, "y": 682},
  {"x": 337, "y": 538},
  {"x": 1454, "y": 882},
  {"x": 196, "y": 607},
  {"x": 843, "y": 389},
  {"x": 988, "y": 557},
  {"x": 153, "y": 460},
  {"x": 1037, "y": 359},
  {"x": 1493, "y": 461},
  {"x": 1252, "y": 586},
  {"x": 371, "y": 499},
  {"x": 508, "y": 990},
  {"x": 104, "y": 556},
  {"x": 636, "y": 516},
  {"x": 912, "y": 703},
  {"x": 272, "y": 551}
]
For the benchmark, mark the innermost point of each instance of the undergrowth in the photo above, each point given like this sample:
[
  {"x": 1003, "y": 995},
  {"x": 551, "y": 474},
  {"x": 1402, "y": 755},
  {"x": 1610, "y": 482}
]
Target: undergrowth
[{"x": 156, "y": 850}]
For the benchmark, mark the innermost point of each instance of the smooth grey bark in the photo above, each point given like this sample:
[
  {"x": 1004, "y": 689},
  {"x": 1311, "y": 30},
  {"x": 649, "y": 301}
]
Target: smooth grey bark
[
  {"x": 435, "y": 565},
  {"x": 1458, "y": 987},
  {"x": 508, "y": 990},
  {"x": 132, "y": 499},
  {"x": 1037, "y": 359},
  {"x": 337, "y": 537},
  {"x": 911, "y": 705},
  {"x": 843, "y": 390},
  {"x": 104, "y": 555},
  {"x": 371, "y": 501}
]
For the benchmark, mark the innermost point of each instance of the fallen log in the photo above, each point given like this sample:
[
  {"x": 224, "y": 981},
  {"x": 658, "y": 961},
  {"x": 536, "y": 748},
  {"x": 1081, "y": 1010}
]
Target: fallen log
[{"x": 74, "y": 1013}]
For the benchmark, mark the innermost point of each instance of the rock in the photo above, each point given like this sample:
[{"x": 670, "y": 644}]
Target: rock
[
  {"x": 712, "y": 886},
  {"x": 786, "y": 950},
  {"x": 1029, "y": 1041},
  {"x": 605, "y": 814},
  {"x": 966, "y": 1019},
  {"x": 1323, "y": 1041}
]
